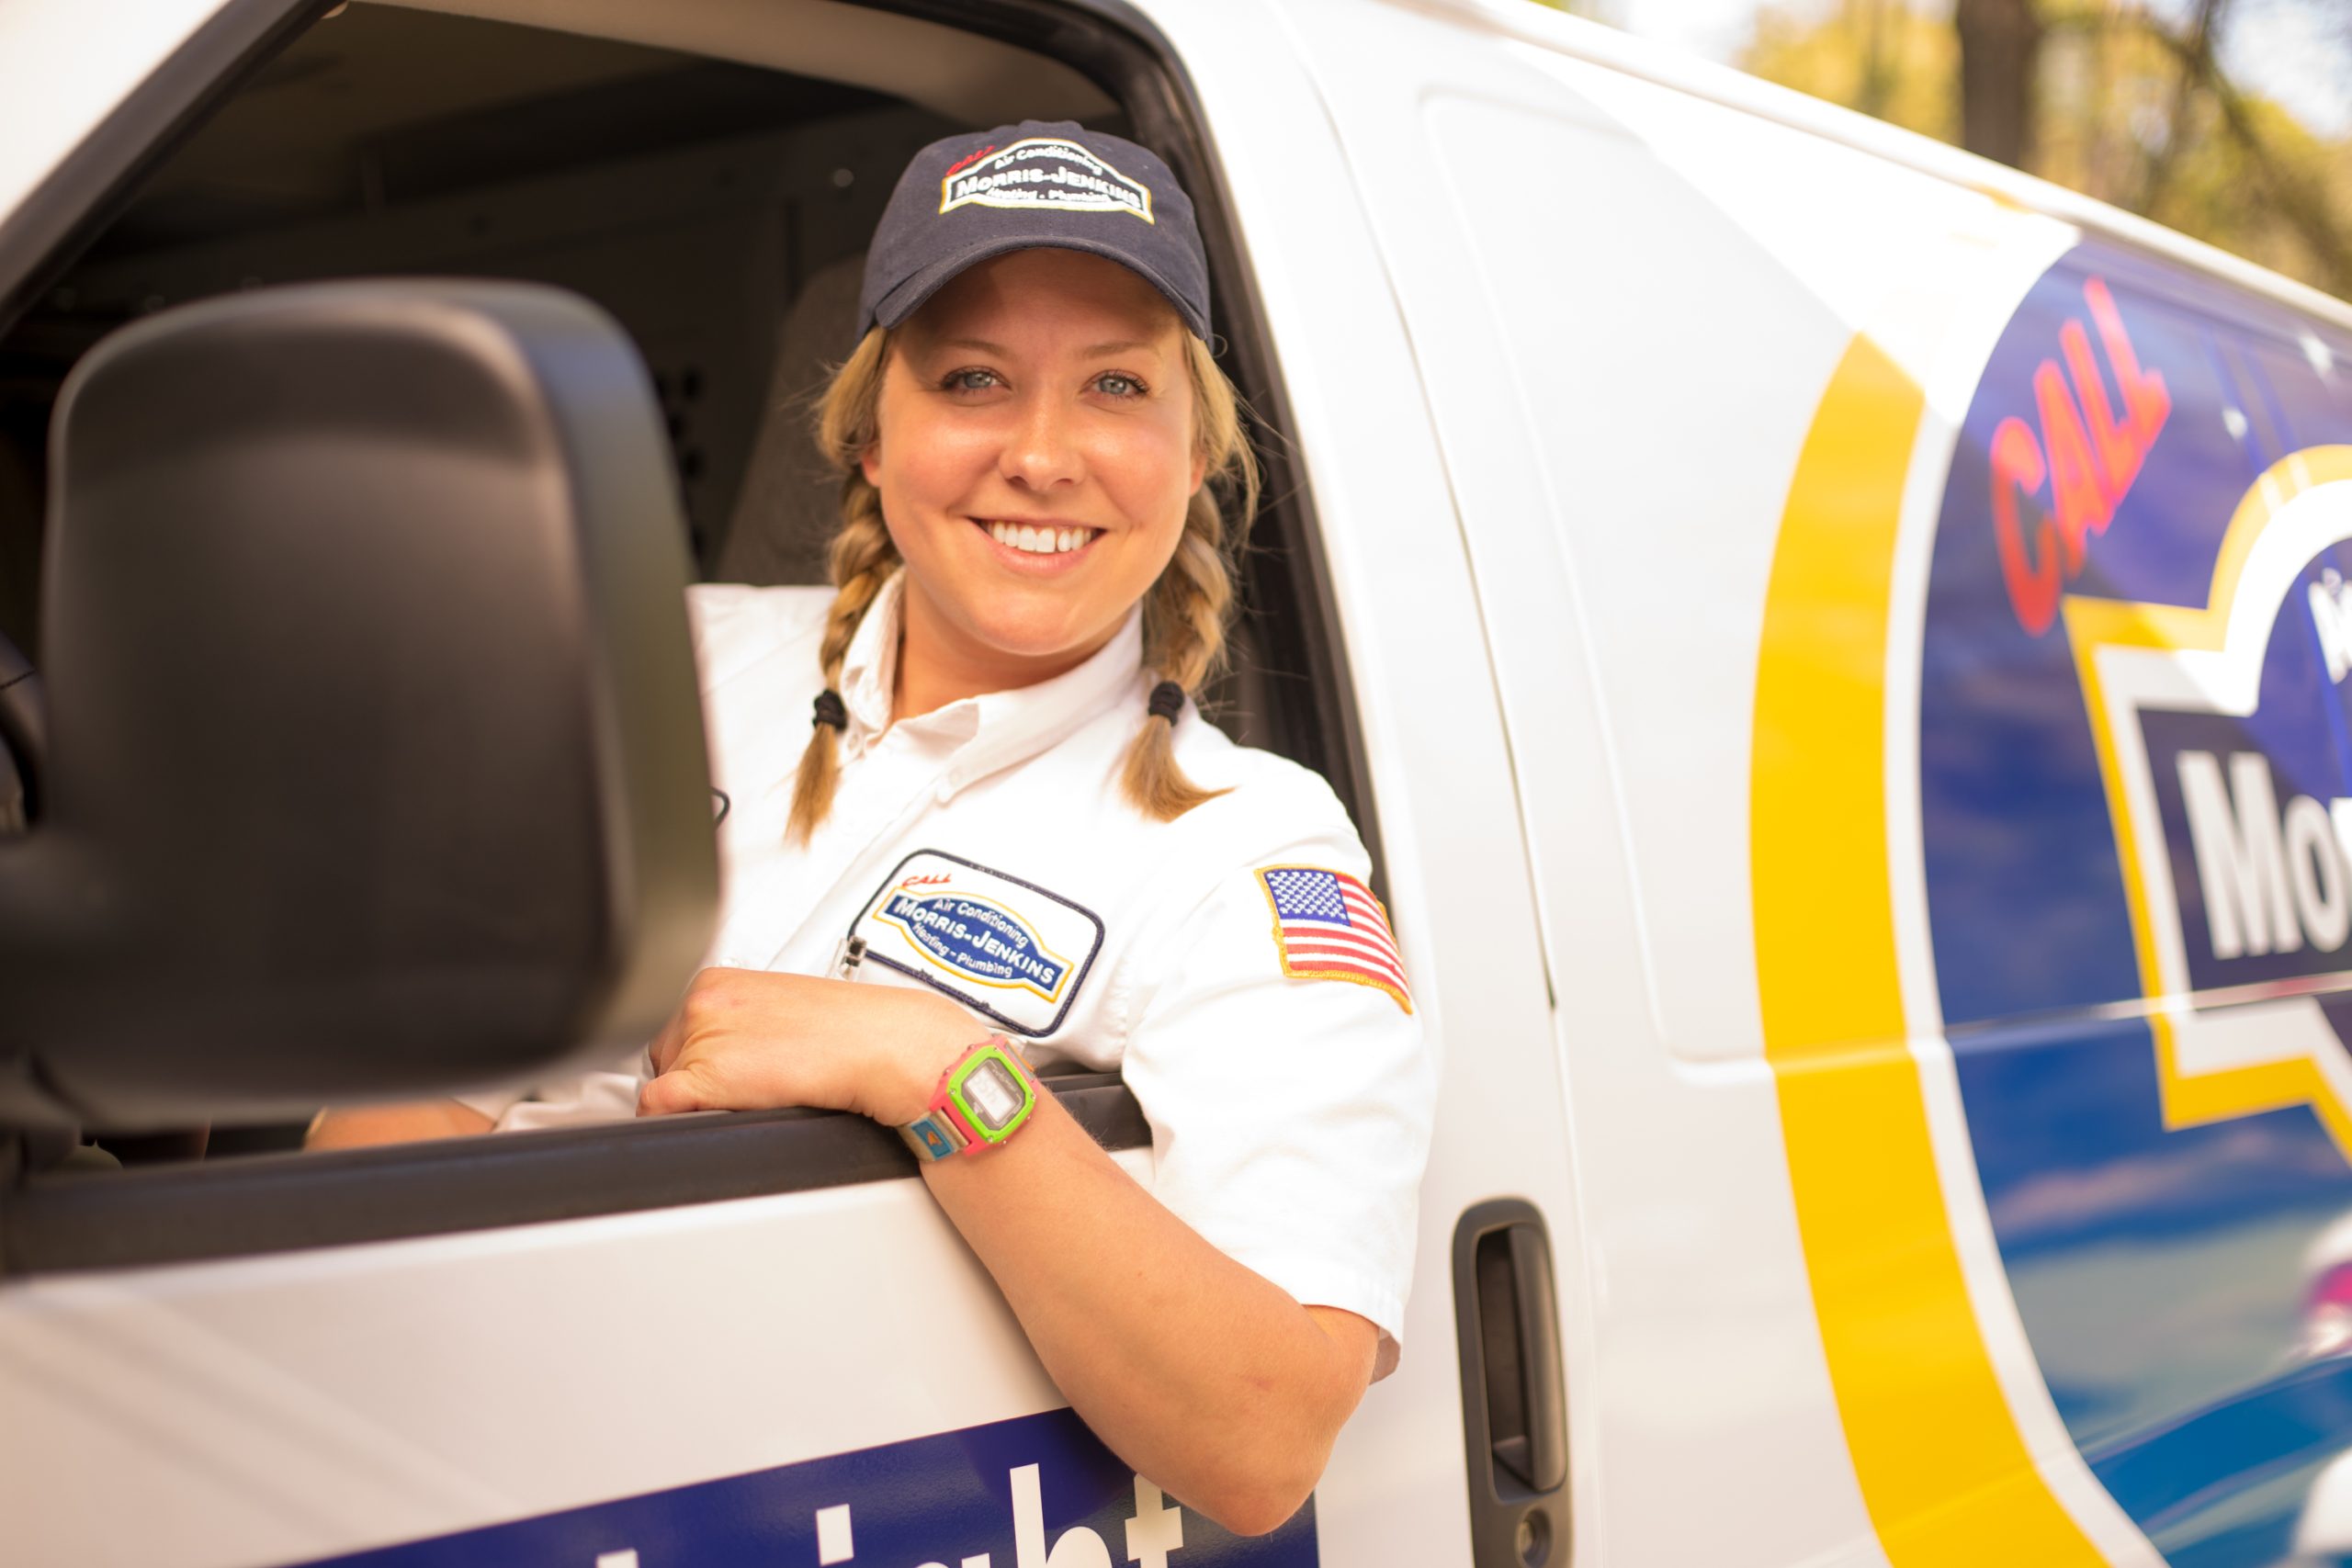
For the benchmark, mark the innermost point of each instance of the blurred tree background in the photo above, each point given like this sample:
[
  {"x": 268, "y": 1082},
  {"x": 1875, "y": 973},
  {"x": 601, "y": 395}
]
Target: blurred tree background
[{"x": 2136, "y": 102}]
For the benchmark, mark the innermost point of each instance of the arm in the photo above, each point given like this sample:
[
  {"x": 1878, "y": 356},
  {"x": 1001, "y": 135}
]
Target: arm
[
  {"x": 1248, "y": 1389},
  {"x": 359, "y": 1127}
]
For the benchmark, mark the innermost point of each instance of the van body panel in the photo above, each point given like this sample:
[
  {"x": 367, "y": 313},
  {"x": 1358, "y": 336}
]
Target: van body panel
[
  {"x": 1924, "y": 277},
  {"x": 1849, "y": 645}
]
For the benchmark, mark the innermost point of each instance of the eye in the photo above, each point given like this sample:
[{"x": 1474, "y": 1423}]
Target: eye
[
  {"x": 972, "y": 379},
  {"x": 1119, "y": 384}
]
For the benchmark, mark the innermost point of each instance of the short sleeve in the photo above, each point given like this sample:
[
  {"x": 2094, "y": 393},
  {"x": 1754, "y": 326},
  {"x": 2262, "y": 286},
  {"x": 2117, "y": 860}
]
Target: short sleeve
[{"x": 1287, "y": 1082}]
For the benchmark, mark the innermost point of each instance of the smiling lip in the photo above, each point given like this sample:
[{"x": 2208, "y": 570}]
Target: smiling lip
[{"x": 1038, "y": 543}]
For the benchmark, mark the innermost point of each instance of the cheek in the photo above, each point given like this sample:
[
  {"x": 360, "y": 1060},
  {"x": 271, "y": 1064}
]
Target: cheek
[
  {"x": 1149, "y": 478},
  {"x": 925, "y": 467}
]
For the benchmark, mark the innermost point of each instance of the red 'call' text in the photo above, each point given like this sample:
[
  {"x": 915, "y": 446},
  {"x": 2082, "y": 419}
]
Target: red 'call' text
[{"x": 2084, "y": 445}]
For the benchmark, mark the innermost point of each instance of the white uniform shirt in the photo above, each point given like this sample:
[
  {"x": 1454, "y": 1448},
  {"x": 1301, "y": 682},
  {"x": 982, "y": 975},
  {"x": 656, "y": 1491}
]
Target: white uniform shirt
[{"x": 985, "y": 850}]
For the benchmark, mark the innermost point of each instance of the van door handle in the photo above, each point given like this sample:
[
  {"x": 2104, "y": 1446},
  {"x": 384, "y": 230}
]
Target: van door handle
[{"x": 1514, "y": 1406}]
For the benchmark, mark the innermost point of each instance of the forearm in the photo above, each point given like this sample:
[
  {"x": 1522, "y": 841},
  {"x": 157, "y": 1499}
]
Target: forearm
[
  {"x": 1196, "y": 1370},
  {"x": 359, "y": 1126}
]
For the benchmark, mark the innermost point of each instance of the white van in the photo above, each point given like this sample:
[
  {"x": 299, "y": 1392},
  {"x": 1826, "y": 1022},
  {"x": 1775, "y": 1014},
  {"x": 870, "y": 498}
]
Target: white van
[{"x": 1839, "y": 651}]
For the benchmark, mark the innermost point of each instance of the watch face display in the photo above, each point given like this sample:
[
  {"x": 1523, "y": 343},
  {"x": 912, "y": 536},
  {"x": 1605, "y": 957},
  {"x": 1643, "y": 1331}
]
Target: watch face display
[{"x": 992, "y": 1095}]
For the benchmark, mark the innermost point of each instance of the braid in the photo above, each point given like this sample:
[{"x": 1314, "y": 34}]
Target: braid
[
  {"x": 1185, "y": 614},
  {"x": 861, "y": 559}
]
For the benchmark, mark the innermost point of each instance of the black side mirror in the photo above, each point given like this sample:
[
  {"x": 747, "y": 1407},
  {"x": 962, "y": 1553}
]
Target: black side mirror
[{"x": 374, "y": 760}]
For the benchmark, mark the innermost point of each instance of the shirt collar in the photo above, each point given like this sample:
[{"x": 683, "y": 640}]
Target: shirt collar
[
  {"x": 870, "y": 667},
  {"x": 994, "y": 730}
]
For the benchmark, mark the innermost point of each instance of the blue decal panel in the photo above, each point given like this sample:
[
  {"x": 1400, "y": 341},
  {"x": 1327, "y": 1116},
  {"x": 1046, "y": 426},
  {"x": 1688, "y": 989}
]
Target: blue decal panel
[
  {"x": 2164, "y": 1272},
  {"x": 1038, "y": 1492}
]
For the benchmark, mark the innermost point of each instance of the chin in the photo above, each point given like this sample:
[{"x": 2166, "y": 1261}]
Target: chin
[
  {"x": 1045, "y": 632},
  {"x": 1029, "y": 642}
]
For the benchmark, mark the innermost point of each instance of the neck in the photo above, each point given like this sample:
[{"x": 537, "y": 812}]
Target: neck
[{"x": 941, "y": 663}]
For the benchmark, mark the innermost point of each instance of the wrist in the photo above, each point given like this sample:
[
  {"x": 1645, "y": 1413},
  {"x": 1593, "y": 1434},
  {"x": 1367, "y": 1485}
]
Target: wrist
[
  {"x": 985, "y": 1096},
  {"x": 908, "y": 1089}
]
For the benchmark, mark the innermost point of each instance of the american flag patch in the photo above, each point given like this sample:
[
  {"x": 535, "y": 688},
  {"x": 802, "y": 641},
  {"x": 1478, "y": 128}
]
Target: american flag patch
[{"x": 1328, "y": 926}]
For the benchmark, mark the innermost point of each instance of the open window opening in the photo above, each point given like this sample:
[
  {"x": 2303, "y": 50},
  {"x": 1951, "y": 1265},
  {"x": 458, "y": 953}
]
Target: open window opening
[
  {"x": 709, "y": 183},
  {"x": 712, "y": 185}
]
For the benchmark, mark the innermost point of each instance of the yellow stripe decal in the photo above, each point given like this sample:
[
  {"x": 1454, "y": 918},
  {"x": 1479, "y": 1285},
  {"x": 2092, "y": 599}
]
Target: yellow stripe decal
[{"x": 1944, "y": 1470}]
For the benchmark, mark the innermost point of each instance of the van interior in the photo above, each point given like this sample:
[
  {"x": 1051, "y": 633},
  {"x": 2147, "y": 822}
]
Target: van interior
[{"x": 706, "y": 171}]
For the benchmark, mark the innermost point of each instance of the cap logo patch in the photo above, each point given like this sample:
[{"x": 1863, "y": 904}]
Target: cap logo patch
[{"x": 1045, "y": 170}]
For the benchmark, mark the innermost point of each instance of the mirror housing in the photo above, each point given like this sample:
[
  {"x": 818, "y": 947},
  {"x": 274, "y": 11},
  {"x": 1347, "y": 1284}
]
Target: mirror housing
[{"x": 375, "y": 764}]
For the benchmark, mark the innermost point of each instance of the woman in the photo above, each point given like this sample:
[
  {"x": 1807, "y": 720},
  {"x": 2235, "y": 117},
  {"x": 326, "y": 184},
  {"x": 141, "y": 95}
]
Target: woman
[{"x": 1008, "y": 824}]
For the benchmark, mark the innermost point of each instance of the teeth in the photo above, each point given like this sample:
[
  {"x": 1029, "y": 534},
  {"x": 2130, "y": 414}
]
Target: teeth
[{"x": 1039, "y": 541}]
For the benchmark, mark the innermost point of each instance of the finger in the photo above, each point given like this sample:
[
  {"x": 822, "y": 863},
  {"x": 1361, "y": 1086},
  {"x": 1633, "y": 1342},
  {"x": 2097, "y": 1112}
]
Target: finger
[
  {"x": 673, "y": 1094},
  {"x": 692, "y": 1006},
  {"x": 665, "y": 1046}
]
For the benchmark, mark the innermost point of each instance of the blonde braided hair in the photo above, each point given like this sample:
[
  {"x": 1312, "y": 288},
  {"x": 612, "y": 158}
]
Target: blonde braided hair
[{"x": 1184, "y": 612}]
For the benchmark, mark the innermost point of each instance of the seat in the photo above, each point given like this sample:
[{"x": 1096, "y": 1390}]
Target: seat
[{"x": 790, "y": 504}]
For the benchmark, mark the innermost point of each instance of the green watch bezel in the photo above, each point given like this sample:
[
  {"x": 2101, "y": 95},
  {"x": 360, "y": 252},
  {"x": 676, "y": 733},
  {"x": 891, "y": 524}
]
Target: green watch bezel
[{"x": 992, "y": 1050}]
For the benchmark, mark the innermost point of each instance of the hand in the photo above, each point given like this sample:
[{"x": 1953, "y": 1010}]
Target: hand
[{"x": 749, "y": 1040}]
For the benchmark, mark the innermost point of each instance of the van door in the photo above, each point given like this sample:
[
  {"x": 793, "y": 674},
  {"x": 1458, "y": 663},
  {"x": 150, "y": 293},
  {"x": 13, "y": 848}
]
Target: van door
[
  {"x": 670, "y": 1343},
  {"x": 1417, "y": 1477}
]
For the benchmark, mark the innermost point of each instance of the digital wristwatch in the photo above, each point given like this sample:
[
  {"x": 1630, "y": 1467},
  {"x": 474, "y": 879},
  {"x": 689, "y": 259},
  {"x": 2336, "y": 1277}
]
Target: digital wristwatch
[{"x": 983, "y": 1098}]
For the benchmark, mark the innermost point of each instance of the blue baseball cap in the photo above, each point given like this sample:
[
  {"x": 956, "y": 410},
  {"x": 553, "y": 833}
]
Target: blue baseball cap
[{"x": 1040, "y": 184}]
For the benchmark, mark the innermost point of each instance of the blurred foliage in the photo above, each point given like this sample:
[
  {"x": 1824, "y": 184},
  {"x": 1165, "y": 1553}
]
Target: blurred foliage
[
  {"x": 1887, "y": 60},
  {"x": 2118, "y": 99}
]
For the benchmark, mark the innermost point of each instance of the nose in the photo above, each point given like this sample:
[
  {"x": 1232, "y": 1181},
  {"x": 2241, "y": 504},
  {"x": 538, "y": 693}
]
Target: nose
[{"x": 1041, "y": 451}]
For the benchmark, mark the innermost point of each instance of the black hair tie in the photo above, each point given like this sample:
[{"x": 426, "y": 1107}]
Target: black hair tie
[
  {"x": 830, "y": 709},
  {"x": 1167, "y": 702}
]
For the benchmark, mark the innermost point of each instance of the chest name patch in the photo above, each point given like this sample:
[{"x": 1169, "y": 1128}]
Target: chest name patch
[{"x": 1006, "y": 948}]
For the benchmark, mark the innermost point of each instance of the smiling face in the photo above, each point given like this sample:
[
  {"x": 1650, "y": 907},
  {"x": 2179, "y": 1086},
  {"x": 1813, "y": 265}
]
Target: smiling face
[{"x": 1034, "y": 458}]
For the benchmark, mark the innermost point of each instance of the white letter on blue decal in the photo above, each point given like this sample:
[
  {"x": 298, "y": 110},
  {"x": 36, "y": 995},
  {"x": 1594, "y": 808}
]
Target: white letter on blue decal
[
  {"x": 2241, "y": 864},
  {"x": 1077, "y": 1548},
  {"x": 833, "y": 1534},
  {"x": 1156, "y": 1531}
]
